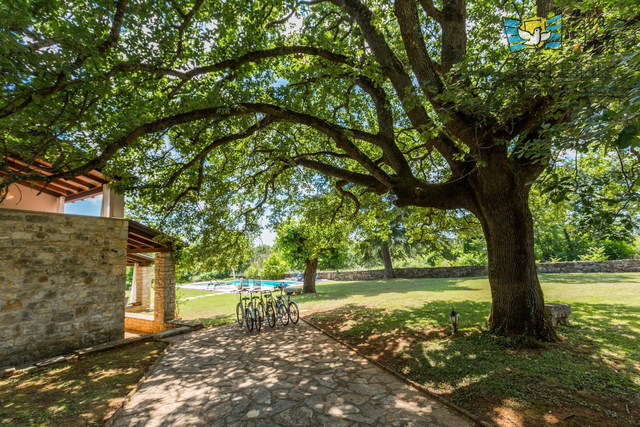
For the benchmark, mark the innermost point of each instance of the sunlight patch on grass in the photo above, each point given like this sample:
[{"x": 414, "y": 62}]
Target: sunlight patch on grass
[{"x": 74, "y": 394}]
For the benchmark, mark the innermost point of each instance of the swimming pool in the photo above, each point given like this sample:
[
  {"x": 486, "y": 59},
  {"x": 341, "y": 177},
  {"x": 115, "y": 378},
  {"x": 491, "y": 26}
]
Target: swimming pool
[
  {"x": 234, "y": 283},
  {"x": 264, "y": 282}
]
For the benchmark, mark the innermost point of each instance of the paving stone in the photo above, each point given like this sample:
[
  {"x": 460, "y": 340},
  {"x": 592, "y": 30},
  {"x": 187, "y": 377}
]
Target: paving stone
[
  {"x": 325, "y": 380},
  {"x": 359, "y": 418},
  {"x": 282, "y": 405},
  {"x": 315, "y": 402},
  {"x": 216, "y": 410},
  {"x": 262, "y": 396},
  {"x": 297, "y": 416},
  {"x": 254, "y": 413},
  {"x": 333, "y": 422},
  {"x": 224, "y": 377},
  {"x": 355, "y": 398}
]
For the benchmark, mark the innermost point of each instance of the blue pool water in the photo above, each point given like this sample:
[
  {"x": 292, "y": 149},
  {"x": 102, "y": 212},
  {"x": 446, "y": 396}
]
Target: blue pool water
[{"x": 265, "y": 283}]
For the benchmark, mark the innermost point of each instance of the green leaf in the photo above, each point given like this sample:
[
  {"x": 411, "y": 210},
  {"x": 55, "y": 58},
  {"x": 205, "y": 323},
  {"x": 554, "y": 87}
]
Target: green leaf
[{"x": 628, "y": 137}]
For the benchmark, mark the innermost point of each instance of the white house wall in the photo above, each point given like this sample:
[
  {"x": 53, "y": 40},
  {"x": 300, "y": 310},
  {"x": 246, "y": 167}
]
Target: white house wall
[{"x": 25, "y": 198}]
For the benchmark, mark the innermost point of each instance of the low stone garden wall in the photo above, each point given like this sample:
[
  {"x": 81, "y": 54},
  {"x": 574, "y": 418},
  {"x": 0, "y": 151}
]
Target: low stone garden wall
[
  {"x": 140, "y": 323},
  {"x": 616, "y": 266}
]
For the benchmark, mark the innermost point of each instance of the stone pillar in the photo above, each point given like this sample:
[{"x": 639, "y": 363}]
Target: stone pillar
[
  {"x": 143, "y": 286},
  {"x": 165, "y": 290}
]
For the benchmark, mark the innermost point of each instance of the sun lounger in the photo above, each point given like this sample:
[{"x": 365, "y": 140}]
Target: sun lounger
[
  {"x": 257, "y": 284},
  {"x": 243, "y": 285},
  {"x": 213, "y": 284}
]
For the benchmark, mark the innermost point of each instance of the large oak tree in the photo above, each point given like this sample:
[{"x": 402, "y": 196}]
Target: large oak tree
[{"x": 208, "y": 110}]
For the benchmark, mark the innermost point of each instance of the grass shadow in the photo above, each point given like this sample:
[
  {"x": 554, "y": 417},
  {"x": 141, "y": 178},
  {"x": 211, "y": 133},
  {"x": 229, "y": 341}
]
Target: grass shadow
[
  {"x": 79, "y": 393},
  {"x": 370, "y": 288},
  {"x": 588, "y": 278}
]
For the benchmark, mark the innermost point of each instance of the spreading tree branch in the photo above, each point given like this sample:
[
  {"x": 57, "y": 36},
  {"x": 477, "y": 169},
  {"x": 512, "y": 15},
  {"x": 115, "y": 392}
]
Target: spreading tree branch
[
  {"x": 424, "y": 69},
  {"x": 25, "y": 100},
  {"x": 338, "y": 133},
  {"x": 432, "y": 11},
  {"x": 357, "y": 178},
  {"x": 394, "y": 71},
  {"x": 203, "y": 153}
]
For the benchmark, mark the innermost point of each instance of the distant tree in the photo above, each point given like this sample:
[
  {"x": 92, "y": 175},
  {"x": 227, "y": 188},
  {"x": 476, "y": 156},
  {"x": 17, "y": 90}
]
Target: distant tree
[
  {"x": 208, "y": 253},
  {"x": 309, "y": 243},
  {"x": 385, "y": 236},
  {"x": 588, "y": 200}
]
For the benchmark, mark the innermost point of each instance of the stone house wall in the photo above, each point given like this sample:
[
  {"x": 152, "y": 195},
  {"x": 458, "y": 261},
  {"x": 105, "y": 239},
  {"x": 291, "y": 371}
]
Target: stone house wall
[
  {"x": 62, "y": 281},
  {"x": 616, "y": 266},
  {"x": 165, "y": 291}
]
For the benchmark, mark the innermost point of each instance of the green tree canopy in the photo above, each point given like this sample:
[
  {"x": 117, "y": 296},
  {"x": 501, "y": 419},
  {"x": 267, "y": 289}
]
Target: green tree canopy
[
  {"x": 210, "y": 111},
  {"x": 313, "y": 242}
]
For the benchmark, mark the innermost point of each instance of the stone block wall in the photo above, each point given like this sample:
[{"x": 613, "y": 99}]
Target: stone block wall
[
  {"x": 140, "y": 323},
  {"x": 143, "y": 287},
  {"x": 407, "y": 273},
  {"x": 164, "y": 305},
  {"x": 616, "y": 266},
  {"x": 62, "y": 281}
]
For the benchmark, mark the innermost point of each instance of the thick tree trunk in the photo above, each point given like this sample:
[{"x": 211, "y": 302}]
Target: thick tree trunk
[
  {"x": 386, "y": 259},
  {"x": 544, "y": 7},
  {"x": 517, "y": 299},
  {"x": 310, "y": 269},
  {"x": 454, "y": 33}
]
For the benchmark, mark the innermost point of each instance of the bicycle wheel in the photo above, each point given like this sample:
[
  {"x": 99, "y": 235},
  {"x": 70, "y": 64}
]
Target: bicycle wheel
[
  {"x": 283, "y": 315},
  {"x": 248, "y": 318},
  {"x": 240, "y": 314},
  {"x": 294, "y": 313},
  {"x": 257, "y": 317},
  {"x": 270, "y": 314}
]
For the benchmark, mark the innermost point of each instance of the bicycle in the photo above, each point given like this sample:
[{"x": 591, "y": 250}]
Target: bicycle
[
  {"x": 256, "y": 310},
  {"x": 244, "y": 313},
  {"x": 281, "y": 308},
  {"x": 291, "y": 308},
  {"x": 269, "y": 308}
]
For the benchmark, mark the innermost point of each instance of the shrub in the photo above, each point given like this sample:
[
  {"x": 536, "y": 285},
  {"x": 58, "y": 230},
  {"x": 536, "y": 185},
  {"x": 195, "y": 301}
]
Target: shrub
[
  {"x": 594, "y": 254},
  {"x": 254, "y": 270},
  {"x": 616, "y": 249},
  {"x": 274, "y": 267}
]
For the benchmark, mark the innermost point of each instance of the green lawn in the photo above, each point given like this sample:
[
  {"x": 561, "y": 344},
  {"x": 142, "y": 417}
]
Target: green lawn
[
  {"x": 592, "y": 376},
  {"x": 212, "y": 308},
  {"x": 405, "y": 294}
]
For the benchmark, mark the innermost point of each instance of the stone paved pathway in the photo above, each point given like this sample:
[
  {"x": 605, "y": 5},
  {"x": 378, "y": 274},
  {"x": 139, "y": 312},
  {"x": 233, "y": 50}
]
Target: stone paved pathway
[{"x": 287, "y": 376}]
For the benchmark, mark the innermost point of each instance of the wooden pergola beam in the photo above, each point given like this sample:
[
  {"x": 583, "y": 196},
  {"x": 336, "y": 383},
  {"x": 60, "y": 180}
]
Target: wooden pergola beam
[
  {"x": 68, "y": 188},
  {"x": 148, "y": 250}
]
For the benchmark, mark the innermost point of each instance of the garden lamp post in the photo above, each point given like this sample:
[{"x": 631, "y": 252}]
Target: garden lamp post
[{"x": 454, "y": 320}]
